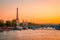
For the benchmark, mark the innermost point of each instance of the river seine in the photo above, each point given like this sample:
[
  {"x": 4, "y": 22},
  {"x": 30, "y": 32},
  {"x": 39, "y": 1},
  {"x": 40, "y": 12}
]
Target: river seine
[{"x": 30, "y": 35}]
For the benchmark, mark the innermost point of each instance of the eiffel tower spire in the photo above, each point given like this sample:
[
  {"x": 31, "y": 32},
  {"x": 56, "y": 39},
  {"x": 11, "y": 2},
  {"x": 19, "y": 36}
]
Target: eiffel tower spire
[{"x": 17, "y": 14}]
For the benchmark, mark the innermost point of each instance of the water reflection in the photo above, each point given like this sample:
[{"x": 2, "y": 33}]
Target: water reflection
[
  {"x": 8, "y": 35},
  {"x": 30, "y": 35}
]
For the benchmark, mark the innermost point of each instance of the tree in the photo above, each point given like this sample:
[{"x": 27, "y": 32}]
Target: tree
[
  {"x": 1, "y": 23},
  {"x": 8, "y": 23},
  {"x": 13, "y": 22}
]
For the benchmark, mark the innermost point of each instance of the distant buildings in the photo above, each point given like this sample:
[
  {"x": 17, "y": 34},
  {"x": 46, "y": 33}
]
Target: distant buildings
[{"x": 25, "y": 25}]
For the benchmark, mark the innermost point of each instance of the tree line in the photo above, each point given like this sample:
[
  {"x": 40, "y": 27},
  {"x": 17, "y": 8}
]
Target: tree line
[
  {"x": 7, "y": 23},
  {"x": 12, "y": 23}
]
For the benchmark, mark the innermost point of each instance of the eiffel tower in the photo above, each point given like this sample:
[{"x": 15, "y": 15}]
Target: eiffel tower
[{"x": 17, "y": 19}]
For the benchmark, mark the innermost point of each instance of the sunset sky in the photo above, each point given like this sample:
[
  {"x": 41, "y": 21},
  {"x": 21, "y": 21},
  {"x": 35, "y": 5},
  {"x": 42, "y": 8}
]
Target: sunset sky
[{"x": 37, "y": 11}]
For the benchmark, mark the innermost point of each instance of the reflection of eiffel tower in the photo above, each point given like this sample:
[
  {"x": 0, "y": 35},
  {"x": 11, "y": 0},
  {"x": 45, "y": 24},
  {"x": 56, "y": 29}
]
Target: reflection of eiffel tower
[{"x": 17, "y": 19}]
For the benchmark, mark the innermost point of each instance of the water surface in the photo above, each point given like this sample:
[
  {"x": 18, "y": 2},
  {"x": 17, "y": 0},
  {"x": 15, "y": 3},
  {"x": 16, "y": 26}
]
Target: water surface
[{"x": 30, "y": 35}]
